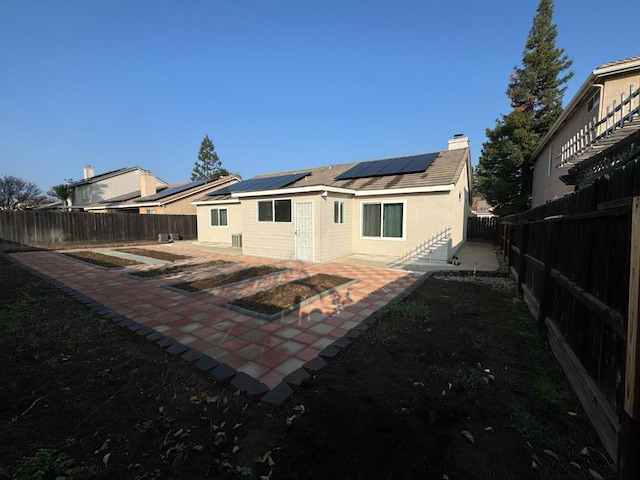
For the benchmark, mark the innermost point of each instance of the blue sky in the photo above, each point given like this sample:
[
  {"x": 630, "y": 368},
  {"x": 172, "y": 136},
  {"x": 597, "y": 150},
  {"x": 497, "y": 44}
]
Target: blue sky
[{"x": 277, "y": 85}]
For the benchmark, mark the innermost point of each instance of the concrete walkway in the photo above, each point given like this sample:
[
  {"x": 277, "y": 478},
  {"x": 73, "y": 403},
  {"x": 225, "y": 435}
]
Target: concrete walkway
[{"x": 264, "y": 358}]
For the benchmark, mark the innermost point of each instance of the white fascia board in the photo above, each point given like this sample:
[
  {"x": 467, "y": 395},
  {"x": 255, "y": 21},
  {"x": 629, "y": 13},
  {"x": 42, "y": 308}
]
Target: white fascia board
[
  {"x": 290, "y": 191},
  {"x": 129, "y": 205},
  {"x": 404, "y": 191},
  {"x": 215, "y": 202}
]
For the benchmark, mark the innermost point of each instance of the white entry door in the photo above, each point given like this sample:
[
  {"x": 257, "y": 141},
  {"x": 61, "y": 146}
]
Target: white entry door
[{"x": 304, "y": 231}]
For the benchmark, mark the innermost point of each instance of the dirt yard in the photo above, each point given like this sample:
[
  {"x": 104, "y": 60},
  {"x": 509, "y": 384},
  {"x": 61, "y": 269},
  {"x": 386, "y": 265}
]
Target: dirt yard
[{"x": 453, "y": 383}]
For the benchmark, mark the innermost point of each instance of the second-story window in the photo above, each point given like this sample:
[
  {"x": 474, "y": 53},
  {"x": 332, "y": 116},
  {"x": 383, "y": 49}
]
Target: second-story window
[{"x": 593, "y": 102}]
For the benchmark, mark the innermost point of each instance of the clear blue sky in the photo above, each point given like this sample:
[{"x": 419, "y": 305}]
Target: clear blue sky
[{"x": 277, "y": 85}]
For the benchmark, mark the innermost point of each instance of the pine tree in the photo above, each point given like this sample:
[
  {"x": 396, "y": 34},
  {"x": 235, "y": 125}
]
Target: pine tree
[
  {"x": 208, "y": 165},
  {"x": 536, "y": 89}
]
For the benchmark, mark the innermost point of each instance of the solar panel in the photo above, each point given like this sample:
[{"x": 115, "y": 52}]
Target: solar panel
[
  {"x": 389, "y": 166},
  {"x": 174, "y": 190},
  {"x": 257, "y": 184}
]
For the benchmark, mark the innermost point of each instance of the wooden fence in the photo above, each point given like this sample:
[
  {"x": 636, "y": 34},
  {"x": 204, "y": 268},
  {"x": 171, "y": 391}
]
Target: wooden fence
[
  {"x": 484, "y": 229},
  {"x": 69, "y": 229},
  {"x": 577, "y": 262}
]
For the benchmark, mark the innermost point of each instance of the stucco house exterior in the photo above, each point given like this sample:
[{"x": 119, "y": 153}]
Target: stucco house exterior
[
  {"x": 174, "y": 199},
  {"x": 96, "y": 188},
  {"x": 603, "y": 112},
  {"x": 407, "y": 207}
]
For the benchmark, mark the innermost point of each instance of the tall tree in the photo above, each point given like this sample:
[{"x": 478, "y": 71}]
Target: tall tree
[
  {"x": 536, "y": 89},
  {"x": 208, "y": 165},
  {"x": 18, "y": 194}
]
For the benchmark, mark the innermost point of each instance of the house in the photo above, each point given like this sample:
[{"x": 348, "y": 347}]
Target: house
[
  {"x": 480, "y": 208},
  {"x": 175, "y": 199},
  {"x": 96, "y": 188},
  {"x": 603, "y": 112},
  {"x": 408, "y": 207}
]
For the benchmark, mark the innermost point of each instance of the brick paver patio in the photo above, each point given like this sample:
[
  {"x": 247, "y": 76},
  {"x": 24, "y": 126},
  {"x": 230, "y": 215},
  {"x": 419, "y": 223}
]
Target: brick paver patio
[{"x": 271, "y": 355}]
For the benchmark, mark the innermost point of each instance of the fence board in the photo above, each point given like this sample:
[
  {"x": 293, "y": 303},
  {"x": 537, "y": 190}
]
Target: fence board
[
  {"x": 575, "y": 262},
  {"x": 68, "y": 229}
]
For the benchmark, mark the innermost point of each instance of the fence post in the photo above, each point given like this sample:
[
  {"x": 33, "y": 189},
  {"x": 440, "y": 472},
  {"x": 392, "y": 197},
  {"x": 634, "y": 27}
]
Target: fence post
[
  {"x": 550, "y": 260},
  {"x": 522, "y": 267},
  {"x": 629, "y": 441}
]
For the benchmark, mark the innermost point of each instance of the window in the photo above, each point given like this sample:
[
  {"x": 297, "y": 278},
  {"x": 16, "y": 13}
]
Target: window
[
  {"x": 274, "y": 211},
  {"x": 383, "y": 220},
  {"x": 150, "y": 211},
  {"x": 219, "y": 217},
  {"x": 338, "y": 212},
  {"x": 593, "y": 102},
  {"x": 550, "y": 161}
]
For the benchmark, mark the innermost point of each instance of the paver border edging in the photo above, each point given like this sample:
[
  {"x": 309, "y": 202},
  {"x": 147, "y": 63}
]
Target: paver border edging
[{"x": 222, "y": 372}]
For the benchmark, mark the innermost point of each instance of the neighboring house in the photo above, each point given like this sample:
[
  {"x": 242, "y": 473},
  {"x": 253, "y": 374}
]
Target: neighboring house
[
  {"x": 480, "y": 208},
  {"x": 170, "y": 200},
  {"x": 603, "y": 112},
  {"x": 407, "y": 207},
  {"x": 97, "y": 188}
]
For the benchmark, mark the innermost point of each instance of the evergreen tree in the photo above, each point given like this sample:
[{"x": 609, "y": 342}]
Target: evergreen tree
[
  {"x": 536, "y": 89},
  {"x": 208, "y": 165}
]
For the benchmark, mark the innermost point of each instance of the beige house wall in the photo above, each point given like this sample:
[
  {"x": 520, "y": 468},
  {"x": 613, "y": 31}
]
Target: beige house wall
[
  {"x": 109, "y": 188},
  {"x": 547, "y": 185},
  {"x": 425, "y": 216},
  {"x": 274, "y": 239},
  {"x": 219, "y": 234},
  {"x": 333, "y": 240},
  {"x": 268, "y": 239}
]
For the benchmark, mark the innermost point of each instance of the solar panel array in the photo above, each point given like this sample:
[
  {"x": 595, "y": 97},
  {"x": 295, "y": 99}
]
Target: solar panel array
[
  {"x": 257, "y": 184},
  {"x": 174, "y": 190},
  {"x": 390, "y": 166}
]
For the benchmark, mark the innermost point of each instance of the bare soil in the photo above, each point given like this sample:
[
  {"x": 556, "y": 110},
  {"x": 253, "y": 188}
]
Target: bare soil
[
  {"x": 227, "y": 278},
  {"x": 147, "y": 252},
  {"x": 173, "y": 269},
  {"x": 101, "y": 259},
  {"x": 453, "y": 383},
  {"x": 292, "y": 294}
]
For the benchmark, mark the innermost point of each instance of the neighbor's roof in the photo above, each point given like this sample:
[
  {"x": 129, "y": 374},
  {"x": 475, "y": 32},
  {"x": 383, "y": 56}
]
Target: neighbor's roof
[
  {"x": 444, "y": 170},
  {"x": 104, "y": 176},
  {"x": 164, "y": 196}
]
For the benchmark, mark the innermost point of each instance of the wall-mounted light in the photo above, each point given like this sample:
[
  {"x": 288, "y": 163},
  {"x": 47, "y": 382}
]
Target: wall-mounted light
[{"x": 324, "y": 194}]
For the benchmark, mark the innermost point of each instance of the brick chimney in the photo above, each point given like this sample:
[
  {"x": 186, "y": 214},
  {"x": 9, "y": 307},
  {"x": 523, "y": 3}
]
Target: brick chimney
[
  {"x": 87, "y": 172},
  {"x": 147, "y": 184},
  {"x": 459, "y": 141}
]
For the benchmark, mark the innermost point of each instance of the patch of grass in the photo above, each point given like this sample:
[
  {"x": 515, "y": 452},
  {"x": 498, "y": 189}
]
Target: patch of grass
[
  {"x": 410, "y": 310},
  {"x": 101, "y": 259},
  {"x": 46, "y": 464},
  {"x": 382, "y": 333},
  {"x": 22, "y": 319}
]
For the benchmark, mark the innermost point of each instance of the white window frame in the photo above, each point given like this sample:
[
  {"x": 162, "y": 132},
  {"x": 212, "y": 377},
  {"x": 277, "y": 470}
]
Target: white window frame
[
  {"x": 273, "y": 210},
  {"x": 211, "y": 224},
  {"x": 382, "y": 204},
  {"x": 340, "y": 218}
]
